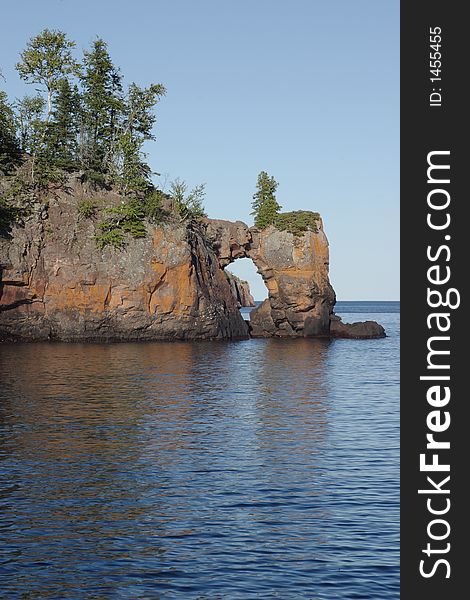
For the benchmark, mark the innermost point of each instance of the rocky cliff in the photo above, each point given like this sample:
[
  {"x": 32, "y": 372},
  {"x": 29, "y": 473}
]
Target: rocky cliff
[
  {"x": 240, "y": 290},
  {"x": 56, "y": 284}
]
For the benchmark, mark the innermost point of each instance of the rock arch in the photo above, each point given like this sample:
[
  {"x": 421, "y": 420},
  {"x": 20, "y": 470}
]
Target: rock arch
[
  {"x": 294, "y": 269},
  {"x": 56, "y": 284}
]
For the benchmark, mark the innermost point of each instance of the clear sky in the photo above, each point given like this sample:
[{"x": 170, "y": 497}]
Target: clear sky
[{"x": 307, "y": 90}]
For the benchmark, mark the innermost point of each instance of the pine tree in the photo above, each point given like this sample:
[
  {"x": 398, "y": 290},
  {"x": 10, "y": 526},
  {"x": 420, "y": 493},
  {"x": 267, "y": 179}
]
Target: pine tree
[
  {"x": 96, "y": 129},
  {"x": 29, "y": 118},
  {"x": 265, "y": 205},
  {"x": 103, "y": 107},
  {"x": 139, "y": 116},
  {"x": 134, "y": 173},
  {"x": 32, "y": 129},
  {"x": 9, "y": 150},
  {"x": 138, "y": 122},
  {"x": 188, "y": 206},
  {"x": 62, "y": 138}
]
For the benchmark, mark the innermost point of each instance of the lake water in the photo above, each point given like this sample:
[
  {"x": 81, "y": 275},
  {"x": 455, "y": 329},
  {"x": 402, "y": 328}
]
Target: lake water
[{"x": 210, "y": 470}]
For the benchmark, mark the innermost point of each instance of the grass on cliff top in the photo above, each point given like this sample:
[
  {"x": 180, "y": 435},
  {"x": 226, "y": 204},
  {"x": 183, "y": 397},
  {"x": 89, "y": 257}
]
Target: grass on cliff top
[{"x": 297, "y": 221}]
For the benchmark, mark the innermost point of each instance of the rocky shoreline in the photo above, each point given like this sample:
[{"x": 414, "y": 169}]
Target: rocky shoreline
[{"x": 56, "y": 284}]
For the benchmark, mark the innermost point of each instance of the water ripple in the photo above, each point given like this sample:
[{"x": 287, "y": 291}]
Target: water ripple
[{"x": 253, "y": 469}]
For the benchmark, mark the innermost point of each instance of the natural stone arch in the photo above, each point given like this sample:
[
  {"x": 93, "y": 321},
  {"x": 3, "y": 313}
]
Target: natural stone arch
[
  {"x": 168, "y": 285},
  {"x": 294, "y": 269},
  {"x": 246, "y": 283}
]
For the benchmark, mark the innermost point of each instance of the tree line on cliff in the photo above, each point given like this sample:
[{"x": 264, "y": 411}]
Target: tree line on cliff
[
  {"x": 83, "y": 119},
  {"x": 80, "y": 118}
]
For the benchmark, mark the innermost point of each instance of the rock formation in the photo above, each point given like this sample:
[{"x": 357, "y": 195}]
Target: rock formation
[
  {"x": 294, "y": 269},
  {"x": 55, "y": 284},
  {"x": 363, "y": 330},
  {"x": 240, "y": 290}
]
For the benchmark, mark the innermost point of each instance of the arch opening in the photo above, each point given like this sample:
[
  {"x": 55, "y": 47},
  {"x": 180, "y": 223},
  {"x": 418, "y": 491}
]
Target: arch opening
[{"x": 246, "y": 271}]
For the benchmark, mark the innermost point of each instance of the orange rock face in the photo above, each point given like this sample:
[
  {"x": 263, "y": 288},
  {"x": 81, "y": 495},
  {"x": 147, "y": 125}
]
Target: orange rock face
[
  {"x": 56, "y": 284},
  {"x": 294, "y": 269}
]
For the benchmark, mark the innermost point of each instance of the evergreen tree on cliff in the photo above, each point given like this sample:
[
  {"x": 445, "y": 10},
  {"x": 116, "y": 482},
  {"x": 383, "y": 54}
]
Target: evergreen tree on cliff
[
  {"x": 103, "y": 107},
  {"x": 29, "y": 114},
  {"x": 64, "y": 130},
  {"x": 265, "y": 206},
  {"x": 8, "y": 144},
  {"x": 47, "y": 60},
  {"x": 137, "y": 125}
]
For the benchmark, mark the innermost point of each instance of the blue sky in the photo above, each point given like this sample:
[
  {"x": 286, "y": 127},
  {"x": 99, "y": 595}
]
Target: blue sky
[{"x": 307, "y": 90}]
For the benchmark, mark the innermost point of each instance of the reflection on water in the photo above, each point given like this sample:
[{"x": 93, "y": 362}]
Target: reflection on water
[{"x": 253, "y": 469}]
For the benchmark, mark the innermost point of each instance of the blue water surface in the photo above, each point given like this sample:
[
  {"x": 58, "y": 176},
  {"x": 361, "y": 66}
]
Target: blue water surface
[{"x": 210, "y": 470}]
